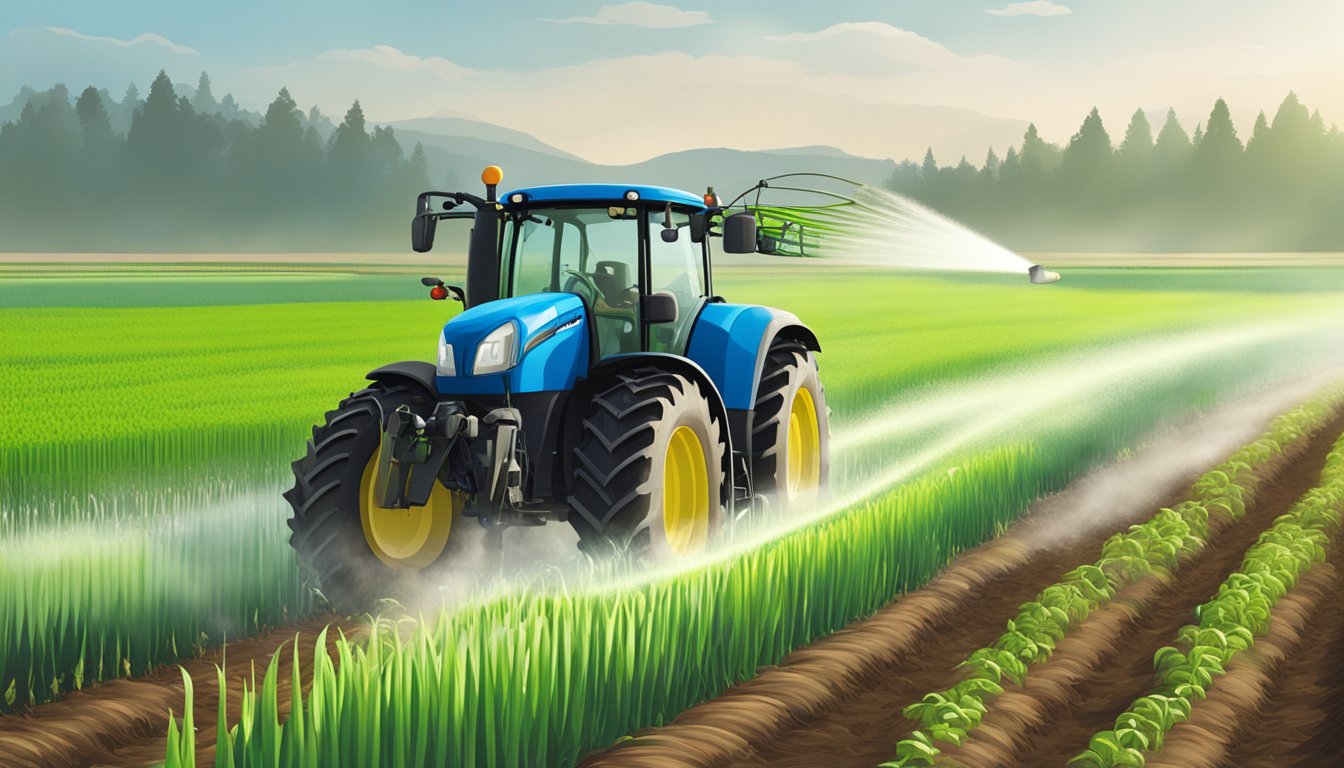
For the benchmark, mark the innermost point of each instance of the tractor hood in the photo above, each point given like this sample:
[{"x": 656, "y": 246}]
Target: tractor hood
[{"x": 549, "y": 348}]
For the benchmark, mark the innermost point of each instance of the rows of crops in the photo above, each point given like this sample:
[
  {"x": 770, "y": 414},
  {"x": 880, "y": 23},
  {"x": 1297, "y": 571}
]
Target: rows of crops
[
  {"x": 1227, "y": 625},
  {"x": 153, "y": 395},
  {"x": 542, "y": 677},
  {"x": 1156, "y": 546},
  {"x": 188, "y": 415},
  {"x": 175, "y": 536}
]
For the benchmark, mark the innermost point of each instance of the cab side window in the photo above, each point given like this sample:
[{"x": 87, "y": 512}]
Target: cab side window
[{"x": 676, "y": 268}]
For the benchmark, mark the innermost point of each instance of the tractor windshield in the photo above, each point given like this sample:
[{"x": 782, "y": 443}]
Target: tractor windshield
[{"x": 595, "y": 253}]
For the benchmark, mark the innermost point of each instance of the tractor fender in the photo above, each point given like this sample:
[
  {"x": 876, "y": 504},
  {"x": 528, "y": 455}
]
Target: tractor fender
[
  {"x": 414, "y": 372},
  {"x": 608, "y": 368},
  {"x": 731, "y": 342}
]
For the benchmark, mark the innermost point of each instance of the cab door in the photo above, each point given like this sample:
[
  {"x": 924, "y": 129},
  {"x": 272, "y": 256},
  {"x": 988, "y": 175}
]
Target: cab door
[{"x": 675, "y": 268}]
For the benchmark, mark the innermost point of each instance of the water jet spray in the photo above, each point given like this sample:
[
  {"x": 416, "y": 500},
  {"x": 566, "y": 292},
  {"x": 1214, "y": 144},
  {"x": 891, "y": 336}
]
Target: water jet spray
[{"x": 860, "y": 223}]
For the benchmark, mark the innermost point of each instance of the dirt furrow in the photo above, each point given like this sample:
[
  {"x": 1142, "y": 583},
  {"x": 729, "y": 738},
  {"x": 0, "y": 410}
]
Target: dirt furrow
[
  {"x": 125, "y": 722},
  {"x": 1278, "y": 704},
  {"x": 838, "y": 702},
  {"x": 1096, "y": 672}
]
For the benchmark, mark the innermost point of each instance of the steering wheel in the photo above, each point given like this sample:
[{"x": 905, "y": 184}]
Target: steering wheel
[{"x": 575, "y": 279}]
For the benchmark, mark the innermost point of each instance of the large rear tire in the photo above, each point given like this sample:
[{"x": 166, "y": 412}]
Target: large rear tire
[
  {"x": 791, "y": 432},
  {"x": 353, "y": 550},
  {"x": 649, "y": 469}
]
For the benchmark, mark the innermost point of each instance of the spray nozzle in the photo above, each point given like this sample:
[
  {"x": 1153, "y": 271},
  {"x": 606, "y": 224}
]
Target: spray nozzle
[{"x": 1040, "y": 275}]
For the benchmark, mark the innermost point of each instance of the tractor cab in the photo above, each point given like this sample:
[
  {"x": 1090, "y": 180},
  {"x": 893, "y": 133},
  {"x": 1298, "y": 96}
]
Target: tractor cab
[
  {"x": 632, "y": 254},
  {"x": 593, "y": 377}
]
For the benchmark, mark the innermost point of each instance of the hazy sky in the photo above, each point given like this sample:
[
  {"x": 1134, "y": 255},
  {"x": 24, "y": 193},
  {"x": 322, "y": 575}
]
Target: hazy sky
[{"x": 619, "y": 82}]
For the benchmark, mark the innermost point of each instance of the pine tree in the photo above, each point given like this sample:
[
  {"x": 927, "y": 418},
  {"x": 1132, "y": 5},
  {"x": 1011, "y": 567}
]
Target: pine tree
[
  {"x": 1173, "y": 143},
  {"x": 1259, "y": 134},
  {"x": 992, "y": 163},
  {"x": 929, "y": 168},
  {"x": 1136, "y": 150},
  {"x": 1037, "y": 156},
  {"x": 1089, "y": 152},
  {"x": 1220, "y": 144},
  {"x": 204, "y": 101},
  {"x": 95, "y": 127}
]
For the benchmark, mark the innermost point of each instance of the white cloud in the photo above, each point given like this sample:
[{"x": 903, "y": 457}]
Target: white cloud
[
  {"x": 640, "y": 14},
  {"x": 389, "y": 57},
  {"x": 875, "y": 49},
  {"x": 1033, "y": 8},
  {"x": 147, "y": 37},
  {"x": 870, "y": 27}
]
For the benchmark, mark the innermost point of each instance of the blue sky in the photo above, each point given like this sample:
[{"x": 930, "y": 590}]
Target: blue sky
[{"x": 870, "y": 65}]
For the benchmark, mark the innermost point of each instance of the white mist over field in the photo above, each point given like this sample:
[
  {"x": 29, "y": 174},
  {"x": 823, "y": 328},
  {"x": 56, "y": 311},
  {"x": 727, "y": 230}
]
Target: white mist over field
[{"x": 936, "y": 429}]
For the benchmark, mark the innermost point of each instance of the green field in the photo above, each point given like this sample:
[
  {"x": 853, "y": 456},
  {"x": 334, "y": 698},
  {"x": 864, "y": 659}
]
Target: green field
[{"x": 149, "y": 420}]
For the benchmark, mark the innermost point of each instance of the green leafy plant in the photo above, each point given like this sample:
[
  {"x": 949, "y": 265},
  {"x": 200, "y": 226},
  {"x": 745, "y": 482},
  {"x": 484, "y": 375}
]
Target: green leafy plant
[
  {"x": 1156, "y": 545},
  {"x": 1228, "y": 624}
]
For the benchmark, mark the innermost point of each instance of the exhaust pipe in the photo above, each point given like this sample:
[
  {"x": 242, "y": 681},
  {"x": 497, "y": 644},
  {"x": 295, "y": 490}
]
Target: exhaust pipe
[{"x": 1040, "y": 275}]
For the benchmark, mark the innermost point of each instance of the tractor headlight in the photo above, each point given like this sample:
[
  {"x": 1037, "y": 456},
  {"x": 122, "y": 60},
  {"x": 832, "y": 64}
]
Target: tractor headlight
[
  {"x": 497, "y": 351},
  {"x": 446, "y": 365}
]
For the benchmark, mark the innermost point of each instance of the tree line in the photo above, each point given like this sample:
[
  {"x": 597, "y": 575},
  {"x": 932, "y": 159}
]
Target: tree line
[
  {"x": 196, "y": 174},
  {"x": 182, "y": 170},
  {"x": 1280, "y": 189}
]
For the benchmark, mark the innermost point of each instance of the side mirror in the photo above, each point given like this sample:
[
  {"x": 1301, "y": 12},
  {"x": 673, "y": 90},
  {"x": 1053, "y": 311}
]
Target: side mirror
[
  {"x": 739, "y": 233},
  {"x": 422, "y": 232},
  {"x": 699, "y": 227},
  {"x": 658, "y": 307},
  {"x": 670, "y": 235}
]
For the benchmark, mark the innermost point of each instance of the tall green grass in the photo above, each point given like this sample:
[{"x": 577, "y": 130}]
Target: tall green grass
[
  {"x": 121, "y": 427},
  {"x": 133, "y": 585},
  {"x": 93, "y": 396}
]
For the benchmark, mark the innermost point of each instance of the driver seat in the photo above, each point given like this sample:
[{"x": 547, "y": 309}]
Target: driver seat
[
  {"x": 612, "y": 278},
  {"x": 617, "y": 322}
]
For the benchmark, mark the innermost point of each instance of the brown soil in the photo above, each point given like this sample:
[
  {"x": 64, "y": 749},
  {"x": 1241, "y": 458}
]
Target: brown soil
[
  {"x": 1099, "y": 670},
  {"x": 838, "y": 702},
  {"x": 1279, "y": 704},
  {"x": 125, "y": 722}
]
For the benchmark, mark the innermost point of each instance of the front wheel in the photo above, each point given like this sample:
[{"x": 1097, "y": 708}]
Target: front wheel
[
  {"x": 790, "y": 436},
  {"x": 354, "y": 550},
  {"x": 649, "y": 468}
]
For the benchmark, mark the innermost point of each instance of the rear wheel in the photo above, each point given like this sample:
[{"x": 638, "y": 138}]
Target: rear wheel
[
  {"x": 354, "y": 550},
  {"x": 649, "y": 468},
  {"x": 790, "y": 433}
]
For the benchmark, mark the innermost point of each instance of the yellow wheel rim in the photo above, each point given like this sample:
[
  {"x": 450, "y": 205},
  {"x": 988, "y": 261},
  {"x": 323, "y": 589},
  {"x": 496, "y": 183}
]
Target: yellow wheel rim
[
  {"x": 407, "y": 539},
  {"x": 804, "y": 470},
  {"x": 685, "y": 493}
]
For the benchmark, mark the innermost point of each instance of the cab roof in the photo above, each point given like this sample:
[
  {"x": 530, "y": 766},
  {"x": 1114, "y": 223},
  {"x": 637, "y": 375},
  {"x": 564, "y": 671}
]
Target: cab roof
[{"x": 604, "y": 193}]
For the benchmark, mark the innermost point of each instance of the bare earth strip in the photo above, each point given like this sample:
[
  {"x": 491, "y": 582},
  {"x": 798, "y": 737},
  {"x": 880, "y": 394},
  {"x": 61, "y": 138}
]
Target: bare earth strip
[
  {"x": 838, "y": 702},
  {"x": 125, "y": 722}
]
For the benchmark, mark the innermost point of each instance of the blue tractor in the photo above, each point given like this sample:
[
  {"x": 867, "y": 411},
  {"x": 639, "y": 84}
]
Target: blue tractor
[{"x": 593, "y": 377}]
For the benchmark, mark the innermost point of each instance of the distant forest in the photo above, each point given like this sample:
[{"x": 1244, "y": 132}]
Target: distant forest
[
  {"x": 1280, "y": 190},
  {"x": 181, "y": 170},
  {"x": 172, "y": 173}
]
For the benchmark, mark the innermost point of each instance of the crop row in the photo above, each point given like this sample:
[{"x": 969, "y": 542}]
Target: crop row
[
  {"x": 1155, "y": 546},
  {"x": 91, "y": 394},
  {"x": 120, "y": 594},
  {"x": 97, "y": 588},
  {"x": 541, "y": 677},
  {"x": 1227, "y": 625}
]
